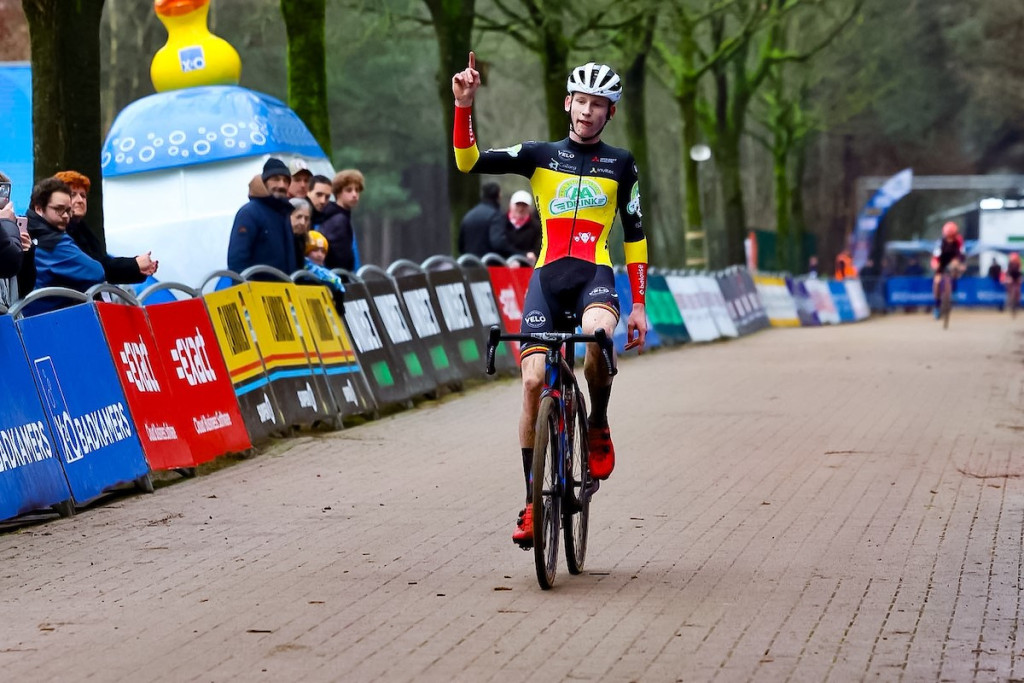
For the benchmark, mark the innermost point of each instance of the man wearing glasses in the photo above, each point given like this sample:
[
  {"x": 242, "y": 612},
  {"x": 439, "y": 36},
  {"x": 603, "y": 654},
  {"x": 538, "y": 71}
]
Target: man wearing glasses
[{"x": 59, "y": 262}]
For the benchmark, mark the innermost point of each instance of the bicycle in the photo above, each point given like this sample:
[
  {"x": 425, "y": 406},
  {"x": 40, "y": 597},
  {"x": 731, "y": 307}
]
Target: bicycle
[
  {"x": 560, "y": 482},
  {"x": 1012, "y": 296},
  {"x": 946, "y": 293}
]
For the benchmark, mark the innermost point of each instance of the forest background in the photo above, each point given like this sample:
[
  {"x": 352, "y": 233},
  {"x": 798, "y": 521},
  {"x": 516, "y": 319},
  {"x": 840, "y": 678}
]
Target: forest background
[{"x": 795, "y": 99}]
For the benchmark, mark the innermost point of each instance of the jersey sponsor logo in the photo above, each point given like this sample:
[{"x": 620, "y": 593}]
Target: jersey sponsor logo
[
  {"x": 566, "y": 154},
  {"x": 574, "y": 194},
  {"x": 598, "y": 170},
  {"x": 556, "y": 165},
  {"x": 603, "y": 160},
  {"x": 535, "y": 319},
  {"x": 512, "y": 151},
  {"x": 585, "y": 238},
  {"x": 633, "y": 208},
  {"x": 598, "y": 291}
]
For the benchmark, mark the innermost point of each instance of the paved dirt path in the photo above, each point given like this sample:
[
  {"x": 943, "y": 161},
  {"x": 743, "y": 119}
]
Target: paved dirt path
[{"x": 812, "y": 504}]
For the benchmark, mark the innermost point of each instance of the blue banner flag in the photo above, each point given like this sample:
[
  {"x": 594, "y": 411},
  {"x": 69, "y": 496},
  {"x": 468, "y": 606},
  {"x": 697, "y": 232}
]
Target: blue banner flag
[{"x": 894, "y": 189}]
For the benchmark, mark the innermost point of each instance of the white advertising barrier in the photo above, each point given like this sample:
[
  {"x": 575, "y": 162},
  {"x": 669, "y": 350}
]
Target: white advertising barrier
[
  {"x": 777, "y": 300},
  {"x": 859, "y": 301},
  {"x": 714, "y": 301},
  {"x": 823, "y": 304},
  {"x": 700, "y": 325}
]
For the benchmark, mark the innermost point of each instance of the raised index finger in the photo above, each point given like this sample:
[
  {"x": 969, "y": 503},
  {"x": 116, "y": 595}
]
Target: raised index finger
[{"x": 472, "y": 60}]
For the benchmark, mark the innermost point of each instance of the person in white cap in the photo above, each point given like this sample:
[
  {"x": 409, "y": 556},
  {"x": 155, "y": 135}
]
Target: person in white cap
[
  {"x": 523, "y": 228},
  {"x": 300, "y": 179}
]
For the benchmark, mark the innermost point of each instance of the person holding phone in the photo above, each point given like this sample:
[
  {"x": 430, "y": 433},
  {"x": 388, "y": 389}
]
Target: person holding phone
[
  {"x": 13, "y": 245},
  {"x": 118, "y": 270}
]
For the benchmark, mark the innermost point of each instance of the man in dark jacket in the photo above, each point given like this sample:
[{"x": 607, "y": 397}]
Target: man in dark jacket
[
  {"x": 482, "y": 221},
  {"x": 118, "y": 270},
  {"x": 262, "y": 232},
  {"x": 59, "y": 262}
]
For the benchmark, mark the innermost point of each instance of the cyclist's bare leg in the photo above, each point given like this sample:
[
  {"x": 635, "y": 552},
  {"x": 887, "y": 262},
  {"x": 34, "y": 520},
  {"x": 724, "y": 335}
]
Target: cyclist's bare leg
[{"x": 599, "y": 380}]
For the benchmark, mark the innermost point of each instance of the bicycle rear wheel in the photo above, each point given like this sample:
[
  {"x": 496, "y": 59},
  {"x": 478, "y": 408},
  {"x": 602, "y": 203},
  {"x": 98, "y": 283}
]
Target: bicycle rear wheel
[
  {"x": 547, "y": 497},
  {"x": 576, "y": 507}
]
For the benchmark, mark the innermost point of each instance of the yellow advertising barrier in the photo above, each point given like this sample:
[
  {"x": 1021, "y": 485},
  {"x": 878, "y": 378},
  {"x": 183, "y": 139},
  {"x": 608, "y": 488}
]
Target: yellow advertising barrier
[
  {"x": 777, "y": 300},
  {"x": 337, "y": 358},
  {"x": 230, "y": 318},
  {"x": 287, "y": 354}
]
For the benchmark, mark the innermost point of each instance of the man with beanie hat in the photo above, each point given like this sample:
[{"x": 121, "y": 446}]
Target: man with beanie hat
[{"x": 262, "y": 234}]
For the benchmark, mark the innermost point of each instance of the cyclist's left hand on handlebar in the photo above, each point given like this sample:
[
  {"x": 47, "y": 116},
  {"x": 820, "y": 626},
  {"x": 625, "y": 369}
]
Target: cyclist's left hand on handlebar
[{"x": 636, "y": 327}]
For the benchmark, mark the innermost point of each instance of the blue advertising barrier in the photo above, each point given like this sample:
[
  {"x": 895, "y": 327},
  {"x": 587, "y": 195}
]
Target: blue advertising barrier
[
  {"x": 842, "y": 301},
  {"x": 804, "y": 303},
  {"x": 82, "y": 397},
  {"x": 30, "y": 474},
  {"x": 908, "y": 290}
]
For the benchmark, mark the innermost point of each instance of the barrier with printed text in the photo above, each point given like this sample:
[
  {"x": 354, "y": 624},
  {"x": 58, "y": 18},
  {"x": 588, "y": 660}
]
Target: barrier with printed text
[
  {"x": 459, "y": 317},
  {"x": 31, "y": 477},
  {"x": 664, "y": 312},
  {"x": 335, "y": 356},
  {"x": 84, "y": 405},
  {"x": 237, "y": 342},
  {"x": 485, "y": 301},
  {"x": 200, "y": 383},
  {"x": 155, "y": 410}
]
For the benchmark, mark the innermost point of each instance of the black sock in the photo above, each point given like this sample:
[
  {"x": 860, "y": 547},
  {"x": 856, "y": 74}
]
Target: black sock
[
  {"x": 599, "y": 406},
  {"x": 527, "y": 469}
]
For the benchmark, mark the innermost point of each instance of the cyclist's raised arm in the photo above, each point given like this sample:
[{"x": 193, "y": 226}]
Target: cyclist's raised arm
[{"x": 468, "y": 157}]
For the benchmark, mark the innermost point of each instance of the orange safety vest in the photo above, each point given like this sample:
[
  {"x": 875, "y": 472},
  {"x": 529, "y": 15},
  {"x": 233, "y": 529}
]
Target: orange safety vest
[{"x": 844, "y": 266}]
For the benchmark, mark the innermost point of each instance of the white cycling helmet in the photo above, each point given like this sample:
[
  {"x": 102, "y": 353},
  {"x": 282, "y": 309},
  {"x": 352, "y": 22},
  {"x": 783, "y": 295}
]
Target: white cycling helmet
[{"x": 595, "y": 79}]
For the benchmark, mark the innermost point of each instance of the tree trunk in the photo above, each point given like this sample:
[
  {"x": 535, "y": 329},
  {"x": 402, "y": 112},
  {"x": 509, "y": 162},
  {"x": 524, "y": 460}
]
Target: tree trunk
[
  {"x": 453, "y": 25},
  {"x": 634, "y": 90},
  {"x": 66, "y": 92},
  {"x": 783, "y": 233},
  {"x": 304, "y": 22},
  {"x": 554, "y": 61},
  {"x": 694, "y": 250},
  {"x": 796, "y": 206},
  {"x": 733, "y": 211}
]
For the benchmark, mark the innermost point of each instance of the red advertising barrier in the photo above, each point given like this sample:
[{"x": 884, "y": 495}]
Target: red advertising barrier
[
  {"x": 158, "y": 420},
  {"x": 509, "y": 285},
  {"x": 186, "y": 344}
]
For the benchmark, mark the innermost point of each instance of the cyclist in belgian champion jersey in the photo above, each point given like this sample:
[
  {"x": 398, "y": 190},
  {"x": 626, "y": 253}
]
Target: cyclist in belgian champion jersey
[
  {"x": 949, "y": 252},
  {"x": 578, "y": 184}
]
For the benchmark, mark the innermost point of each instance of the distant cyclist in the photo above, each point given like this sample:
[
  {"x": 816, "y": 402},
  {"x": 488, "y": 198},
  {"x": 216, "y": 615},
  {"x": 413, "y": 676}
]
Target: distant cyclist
[
  {"x": 950, "y": 252},
  {"x": 579, "y": 183},
  {"x": 1011, "y": 280}
]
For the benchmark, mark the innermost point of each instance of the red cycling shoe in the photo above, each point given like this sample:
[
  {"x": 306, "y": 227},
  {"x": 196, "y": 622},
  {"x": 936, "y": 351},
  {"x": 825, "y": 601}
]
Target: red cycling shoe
[
  {"x": 523, "y": 535},
  {"x": 602, "y": 452}
]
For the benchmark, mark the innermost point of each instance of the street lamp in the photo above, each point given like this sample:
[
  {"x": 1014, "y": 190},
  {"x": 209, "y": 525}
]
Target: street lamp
[{"x": 695, "y": 235}]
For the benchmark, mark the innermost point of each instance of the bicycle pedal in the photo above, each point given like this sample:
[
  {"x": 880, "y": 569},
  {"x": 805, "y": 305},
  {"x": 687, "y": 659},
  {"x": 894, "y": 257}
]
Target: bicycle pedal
[{"x": 524, "y": 545}]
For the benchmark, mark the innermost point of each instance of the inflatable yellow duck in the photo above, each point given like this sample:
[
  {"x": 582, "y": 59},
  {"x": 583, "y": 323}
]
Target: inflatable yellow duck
[{"x": 192, "y": 56}]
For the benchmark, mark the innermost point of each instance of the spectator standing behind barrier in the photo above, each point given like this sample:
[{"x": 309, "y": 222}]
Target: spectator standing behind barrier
[
  {"x": 812, "y": 267},
  {"x": 59, "y": 261},
  {"x": 319, "y": 197},
  {"x": 482, "y": 221},
  {"x": 522, "y": 227},
  {"x": 337, "y": 224},
  {"x": 301, "y": 174},
  {"x": 316, "y": 255},
  {"x": 118, "y": 270},
  {"x": 13, "y": 245},
  {"x": 261, "y": 234},
  {"x": 301, "y": 216}
]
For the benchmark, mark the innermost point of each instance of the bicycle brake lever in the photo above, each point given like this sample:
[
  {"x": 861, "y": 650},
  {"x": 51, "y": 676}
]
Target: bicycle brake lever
[
  {"x": 605, "y": 343},
  {"x": 492, "y": 346}
]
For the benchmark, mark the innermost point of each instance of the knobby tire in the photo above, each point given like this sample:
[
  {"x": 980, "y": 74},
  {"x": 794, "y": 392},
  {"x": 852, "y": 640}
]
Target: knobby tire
[
  {"x": 576, "y": 510},
  {"x": 545, "y": 493}
]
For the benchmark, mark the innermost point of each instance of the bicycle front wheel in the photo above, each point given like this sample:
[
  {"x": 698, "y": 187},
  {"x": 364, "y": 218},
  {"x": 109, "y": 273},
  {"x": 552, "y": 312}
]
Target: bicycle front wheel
[
  {"x": 576, "y": 507},
  {"x": 547, "y": 496},
  {"x": 946, "y": 301}
]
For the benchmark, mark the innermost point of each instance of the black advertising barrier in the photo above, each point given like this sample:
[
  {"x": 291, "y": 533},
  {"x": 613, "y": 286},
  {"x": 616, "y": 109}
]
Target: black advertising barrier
[
  {"x": 341, "y": 370},
  {"x": 458, "y": 314},
  {"x": 288, "y": 355},
  {"x": 760, "y": 319},
  {"x": 424, "y": 311},
  {"x": 408, "y": 347},
  {"x": 255, "y": 394},
  {"x": 742, "y": 306},
  {"x": 385, "y": 372},
  {"x": 486, "y": 302}
]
